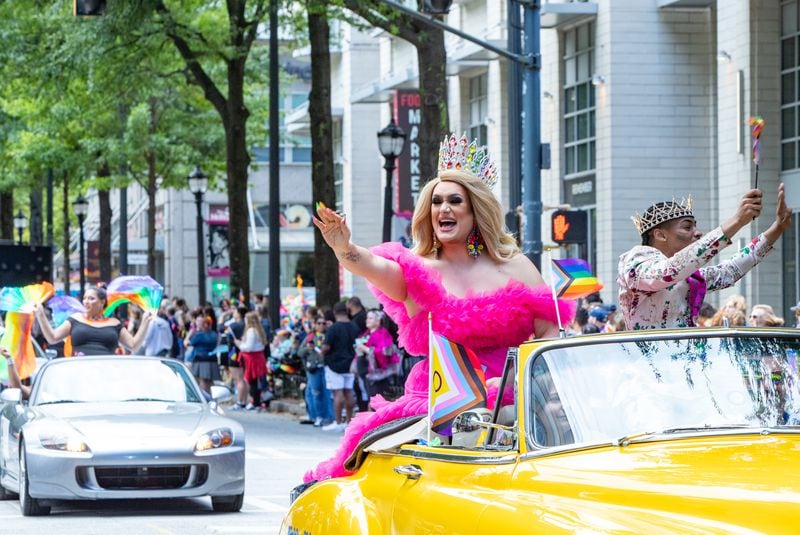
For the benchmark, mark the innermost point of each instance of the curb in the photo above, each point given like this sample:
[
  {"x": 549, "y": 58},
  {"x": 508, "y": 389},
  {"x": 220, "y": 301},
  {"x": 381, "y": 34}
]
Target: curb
[{"x": 295, "y": 407}]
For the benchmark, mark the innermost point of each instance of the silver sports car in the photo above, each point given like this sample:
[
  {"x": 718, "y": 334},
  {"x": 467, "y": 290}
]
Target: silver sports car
[{"x": 114, "y": 427}]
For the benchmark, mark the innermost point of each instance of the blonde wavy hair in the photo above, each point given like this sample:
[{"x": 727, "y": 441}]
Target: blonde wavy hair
[{"x": 498, "y": 244}]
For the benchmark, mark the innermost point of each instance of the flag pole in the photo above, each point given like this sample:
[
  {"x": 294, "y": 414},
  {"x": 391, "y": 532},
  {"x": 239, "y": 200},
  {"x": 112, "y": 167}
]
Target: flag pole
[
  {"x": 561, "y": 331},
  {"x": 430, "y": 374}
]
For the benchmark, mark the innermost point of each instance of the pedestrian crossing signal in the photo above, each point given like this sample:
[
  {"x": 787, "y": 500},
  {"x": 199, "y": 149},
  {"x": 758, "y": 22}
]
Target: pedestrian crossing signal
[
  {"x": 569, "y": 226},
  {"x": 89, "y": 8}
]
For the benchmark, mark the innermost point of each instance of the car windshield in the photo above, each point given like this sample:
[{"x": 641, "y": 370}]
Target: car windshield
[
  {"x": 79, "y": 380},
  {"x": 603, "y": 392}
]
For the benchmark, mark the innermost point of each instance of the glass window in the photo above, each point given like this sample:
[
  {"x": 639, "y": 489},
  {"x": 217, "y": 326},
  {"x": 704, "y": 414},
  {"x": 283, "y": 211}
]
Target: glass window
[
  {"x": 790, "y": 89},
  {"x": 579, "y": 111},
  {"x": 478, "y": 107},
  {"x": 673, "y": 387}
]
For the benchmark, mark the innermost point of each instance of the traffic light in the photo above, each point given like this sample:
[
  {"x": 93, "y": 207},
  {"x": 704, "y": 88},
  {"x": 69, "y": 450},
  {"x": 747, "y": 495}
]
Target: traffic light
[
  {"x": 569, "y": 226},
  {"x": 89, "y": 8}
]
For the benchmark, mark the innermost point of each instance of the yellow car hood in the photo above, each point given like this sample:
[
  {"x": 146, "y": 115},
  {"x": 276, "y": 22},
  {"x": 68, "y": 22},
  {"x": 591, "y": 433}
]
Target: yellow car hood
[{"x": 728, "y": 484}]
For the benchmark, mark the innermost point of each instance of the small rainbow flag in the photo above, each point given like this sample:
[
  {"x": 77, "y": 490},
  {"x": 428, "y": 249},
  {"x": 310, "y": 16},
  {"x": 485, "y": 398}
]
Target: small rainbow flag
[
  {"x": 572, "y": 278},
  {"x": 457, "y": 382}
]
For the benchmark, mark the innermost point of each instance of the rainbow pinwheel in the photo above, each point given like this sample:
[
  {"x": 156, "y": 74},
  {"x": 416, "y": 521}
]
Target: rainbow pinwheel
[{"x": 139, "y": 290}]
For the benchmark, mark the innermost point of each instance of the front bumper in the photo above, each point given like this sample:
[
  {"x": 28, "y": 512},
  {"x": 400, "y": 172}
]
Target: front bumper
[{"x": 61, "y": 475}]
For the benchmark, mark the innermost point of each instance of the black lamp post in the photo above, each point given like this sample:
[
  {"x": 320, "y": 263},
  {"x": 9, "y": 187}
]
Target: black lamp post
[
  {"x": 198, "y": 184},
  {"x": 81, "y": 207},
  {"x": 390, "y": 142},
  {"x": 20, "y": 222}
]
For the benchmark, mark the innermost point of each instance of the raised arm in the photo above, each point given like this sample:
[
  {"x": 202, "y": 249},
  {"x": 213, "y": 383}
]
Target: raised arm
[
  {"x": 382, "y": 273},
  {"x": 134, "y": 342},
  {"x": 53, "y": 336}
]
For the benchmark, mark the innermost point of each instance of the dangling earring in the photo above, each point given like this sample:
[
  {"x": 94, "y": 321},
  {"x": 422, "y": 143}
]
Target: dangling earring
[
  {"x": 436, "y": 245},
  {"x": 474, "y": 245}
]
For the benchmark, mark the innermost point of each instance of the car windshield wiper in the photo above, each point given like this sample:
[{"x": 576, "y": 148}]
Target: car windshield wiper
[
  {"x": 150, "y": 399},
  {"x": 628, "y": 439},
  {"x": 60, "y": 401}
]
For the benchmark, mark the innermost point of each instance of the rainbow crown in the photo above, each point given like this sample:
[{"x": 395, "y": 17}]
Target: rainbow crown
[
  {"x": 460, "y": 154},
  {"x": 661, "y": 213}
]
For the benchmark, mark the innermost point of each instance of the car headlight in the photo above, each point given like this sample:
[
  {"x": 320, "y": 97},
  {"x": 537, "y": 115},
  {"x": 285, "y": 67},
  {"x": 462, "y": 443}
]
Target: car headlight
[
  {"x": 69, "y": 443},
  {"x": 218, "y": 438}
]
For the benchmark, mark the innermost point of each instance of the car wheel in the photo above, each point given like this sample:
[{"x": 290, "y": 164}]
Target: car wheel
[
  {"x": 227, "y": 504},
  {"x": 29, "y": 506}
]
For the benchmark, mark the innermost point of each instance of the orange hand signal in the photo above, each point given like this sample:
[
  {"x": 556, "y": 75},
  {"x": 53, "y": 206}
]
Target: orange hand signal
[{"x": 560, "y": 227}]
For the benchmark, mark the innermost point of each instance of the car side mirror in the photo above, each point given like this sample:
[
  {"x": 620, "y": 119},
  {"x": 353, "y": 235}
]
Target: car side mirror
[
  {"x": 471, "y": 428},
  {"x": 11, "y": 395}
]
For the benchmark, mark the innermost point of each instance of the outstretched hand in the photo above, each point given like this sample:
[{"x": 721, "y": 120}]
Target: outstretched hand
[
  {"x": 783, "y": 218},
  {"x": 333, "y": 227}
]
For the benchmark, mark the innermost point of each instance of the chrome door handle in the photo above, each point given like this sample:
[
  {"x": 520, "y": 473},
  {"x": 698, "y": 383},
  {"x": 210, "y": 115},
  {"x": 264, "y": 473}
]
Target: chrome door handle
[{"x": 411, "y": 471}]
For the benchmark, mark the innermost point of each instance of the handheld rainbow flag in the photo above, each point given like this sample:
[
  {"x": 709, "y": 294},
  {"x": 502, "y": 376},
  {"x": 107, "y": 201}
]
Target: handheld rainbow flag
[
  {"x": 17, "y": 339},
  {"x": 63, "y": 306},
  {"x": 22, "y": 298},
  {"x": 457, "y": 382},
  {"x": 572, "y": 278},
  {"x": 142, "y": 291},
  {"x": 757, "y": 123}
]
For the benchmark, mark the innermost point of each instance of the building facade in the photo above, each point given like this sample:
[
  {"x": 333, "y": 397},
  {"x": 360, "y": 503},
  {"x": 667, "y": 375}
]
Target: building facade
[{"x": 641, "y": 101}]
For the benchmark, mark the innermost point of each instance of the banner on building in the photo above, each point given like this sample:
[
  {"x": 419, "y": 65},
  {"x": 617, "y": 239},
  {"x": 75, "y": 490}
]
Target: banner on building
[
  {"x": 93, "y": 261},
  {"x": 407, "y": 110},
  {"x": 218, "y": 264}
]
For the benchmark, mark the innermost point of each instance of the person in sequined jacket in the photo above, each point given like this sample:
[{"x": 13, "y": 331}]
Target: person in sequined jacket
[{"x": 663, "y": 281}]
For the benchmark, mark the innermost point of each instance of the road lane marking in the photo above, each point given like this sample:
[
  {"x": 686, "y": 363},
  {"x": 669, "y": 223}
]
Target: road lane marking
[
  {"x": 269, "y": 528},
  {"x": 163, "y": 531},
  {"x": 272, "y": 453},
  {"x": 263, "y": 504}
]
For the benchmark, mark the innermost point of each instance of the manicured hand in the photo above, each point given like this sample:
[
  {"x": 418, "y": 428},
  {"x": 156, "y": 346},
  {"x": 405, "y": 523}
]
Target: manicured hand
[{"x": 333, "y": 227}]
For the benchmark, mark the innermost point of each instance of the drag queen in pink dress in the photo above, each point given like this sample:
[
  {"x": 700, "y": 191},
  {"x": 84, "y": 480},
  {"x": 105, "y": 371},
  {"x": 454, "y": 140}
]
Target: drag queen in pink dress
[{"x": 465, "y": 270}]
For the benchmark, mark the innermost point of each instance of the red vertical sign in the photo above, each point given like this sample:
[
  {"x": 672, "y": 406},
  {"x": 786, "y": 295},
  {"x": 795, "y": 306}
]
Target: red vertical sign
[{"x": 406, "y": 178}]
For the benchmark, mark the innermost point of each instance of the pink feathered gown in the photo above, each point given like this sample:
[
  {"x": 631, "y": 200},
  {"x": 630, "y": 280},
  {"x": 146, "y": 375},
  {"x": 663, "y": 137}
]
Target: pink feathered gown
[{"x": 487, "y": 323}]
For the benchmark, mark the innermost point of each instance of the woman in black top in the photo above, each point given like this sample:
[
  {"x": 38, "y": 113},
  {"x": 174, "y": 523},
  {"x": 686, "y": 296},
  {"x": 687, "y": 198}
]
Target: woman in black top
[{"x": 92, "y": 333}]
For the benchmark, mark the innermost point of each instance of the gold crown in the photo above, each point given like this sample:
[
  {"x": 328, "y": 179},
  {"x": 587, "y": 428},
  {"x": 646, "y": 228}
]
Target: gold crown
[
  {"x": 661, "y": 213},
  {"x": 463, "y": 155}
]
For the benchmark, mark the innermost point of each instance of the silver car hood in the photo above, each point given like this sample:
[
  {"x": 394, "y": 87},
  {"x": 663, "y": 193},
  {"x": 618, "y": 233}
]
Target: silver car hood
[{"x": 130, "y": 419}]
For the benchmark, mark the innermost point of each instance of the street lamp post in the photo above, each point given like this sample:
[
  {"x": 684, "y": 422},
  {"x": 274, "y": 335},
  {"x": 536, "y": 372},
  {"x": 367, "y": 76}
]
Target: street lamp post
[
  {"x": 390, "y": 142},
  {"x": 81, "y": 207},
  {"x": 20, "y": 222},
  {"x": 198, "y": 184}
]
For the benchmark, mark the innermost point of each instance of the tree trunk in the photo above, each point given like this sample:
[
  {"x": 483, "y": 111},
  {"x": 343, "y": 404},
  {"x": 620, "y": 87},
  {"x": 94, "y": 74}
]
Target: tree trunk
[
  {"x": 431, "y": 62},
  {"x": 151, "y": 195},
  {"x": 65, "y": 244},
  {"x": 326, "y": 267},
  {"x": 35, "y": 222},
  {"x": 434, "y": 125},
  {"x": 105, "y": 233},
  {"x": 238, "y": 166},
  {"x": 7, "y": 215},
  {"x": 234, "y": 115}
]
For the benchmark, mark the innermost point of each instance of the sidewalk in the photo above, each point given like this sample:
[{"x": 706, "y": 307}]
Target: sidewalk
[{"x": 294, "y": 406}]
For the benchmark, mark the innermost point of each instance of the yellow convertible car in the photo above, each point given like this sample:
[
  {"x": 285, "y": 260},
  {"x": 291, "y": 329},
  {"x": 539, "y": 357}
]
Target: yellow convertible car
[{"x": 686, "y": 431}]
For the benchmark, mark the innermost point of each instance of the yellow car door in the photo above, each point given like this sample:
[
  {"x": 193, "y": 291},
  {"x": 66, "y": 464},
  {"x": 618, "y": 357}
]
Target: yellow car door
[{"x": 445, "y": 490}]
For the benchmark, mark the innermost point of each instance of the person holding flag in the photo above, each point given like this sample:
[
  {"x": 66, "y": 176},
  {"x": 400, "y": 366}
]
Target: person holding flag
[
  {"x": 465, "y": 270},
  {"x": 663, "y": 281}
]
